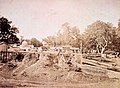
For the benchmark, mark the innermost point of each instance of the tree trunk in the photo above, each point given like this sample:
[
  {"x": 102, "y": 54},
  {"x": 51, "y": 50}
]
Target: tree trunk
[
  {"x": 98, "y": 49},
  {"x": 103, "y": 49},
  {"x": 102, "y": 52}
]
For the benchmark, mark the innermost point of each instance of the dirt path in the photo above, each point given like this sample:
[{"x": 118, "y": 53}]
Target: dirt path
[{"x": 10, "y": 83}]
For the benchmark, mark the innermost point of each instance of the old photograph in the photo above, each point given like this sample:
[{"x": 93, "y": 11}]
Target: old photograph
[{"x": 59, "y": 43}]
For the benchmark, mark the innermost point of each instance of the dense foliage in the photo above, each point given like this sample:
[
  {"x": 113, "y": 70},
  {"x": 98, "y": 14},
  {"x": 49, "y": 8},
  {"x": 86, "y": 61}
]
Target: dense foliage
[
  {"x": 99, "y": 36},
  {"x": 8, "y": 32},
  {"x": 66, "y": 36}
]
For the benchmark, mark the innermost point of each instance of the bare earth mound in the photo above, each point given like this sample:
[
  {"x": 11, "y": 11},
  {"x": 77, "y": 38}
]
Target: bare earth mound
[{"x": 43, "y": 71}]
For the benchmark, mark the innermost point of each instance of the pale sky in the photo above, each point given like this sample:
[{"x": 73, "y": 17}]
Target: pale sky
[{"x": 40, "y": 18}]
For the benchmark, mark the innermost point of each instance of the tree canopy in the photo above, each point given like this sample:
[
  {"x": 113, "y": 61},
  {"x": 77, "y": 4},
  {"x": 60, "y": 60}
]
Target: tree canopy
[
  {"x": 99, "y": 35},
  {"x": 68, "y": 35},
  {"x": 35, "y": 42},
  {"x": 8, "y": 32}
]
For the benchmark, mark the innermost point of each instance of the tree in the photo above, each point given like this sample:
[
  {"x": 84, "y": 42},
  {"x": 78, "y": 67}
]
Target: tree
[
  {"x": 119, "y": 24},
  {"x": 67, "y": 36},
  {"x": 8, "y": 32},
  {"x": 116, "y": 41},
  {"x": 35, "y": 42},
  {"x": 118, "y": 29},
  {"x": 70, "y": 35},
  {"x": 99, "y": 36}
]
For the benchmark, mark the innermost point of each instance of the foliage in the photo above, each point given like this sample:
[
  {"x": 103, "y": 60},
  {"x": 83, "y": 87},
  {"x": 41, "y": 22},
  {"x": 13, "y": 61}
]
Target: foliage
[
  {"x": 116, "y": 41},
  {"x": 99, "y": 35},
  {"x": 35, "y": 42},
  {"x": 67, "y": 36},
  {"x": 8, "y": 32}
]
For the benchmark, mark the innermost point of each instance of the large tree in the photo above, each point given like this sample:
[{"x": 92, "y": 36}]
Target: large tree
[
  {"x": 36, "y": 42},
  {"x": 8, "y": 32},
  {"x": 118, "y": 29},
  {"x": 99, "y": 36},
  {"x": 68, "y": 35},
  {"x": 50, "y": 40},
  {"x": 116, "y": 41},
  {"x": 71, "y": 35}
]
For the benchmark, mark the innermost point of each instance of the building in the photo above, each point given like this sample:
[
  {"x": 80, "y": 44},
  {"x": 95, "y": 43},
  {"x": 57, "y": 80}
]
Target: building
[{"x": 25, "y": 47}]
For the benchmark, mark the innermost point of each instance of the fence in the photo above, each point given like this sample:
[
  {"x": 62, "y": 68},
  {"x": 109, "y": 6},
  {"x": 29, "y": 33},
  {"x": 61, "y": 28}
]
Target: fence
[{"x": 7, "y": 56}]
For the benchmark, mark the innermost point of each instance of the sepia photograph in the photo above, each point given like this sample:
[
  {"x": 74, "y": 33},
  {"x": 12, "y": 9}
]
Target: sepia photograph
[{"x": 59, "y": 43}]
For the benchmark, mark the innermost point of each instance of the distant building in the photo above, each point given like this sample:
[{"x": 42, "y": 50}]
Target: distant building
[
  {"x": 44, "y": 43},
  {"x": 25, "y": 47},
  {"x": 14, "y": 49},
  {"x": 66, "y": 48},
  {"x": 75, "y": 50}
]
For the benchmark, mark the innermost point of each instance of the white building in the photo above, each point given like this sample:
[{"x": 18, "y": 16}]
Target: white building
[{"x": 25, "y": 47}]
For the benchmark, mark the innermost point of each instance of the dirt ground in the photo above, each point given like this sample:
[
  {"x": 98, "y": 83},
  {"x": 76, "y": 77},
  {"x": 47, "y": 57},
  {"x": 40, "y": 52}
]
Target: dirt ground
[
  {"x": 11, "y": 83},
  {"x": 41, "y": 72}
]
